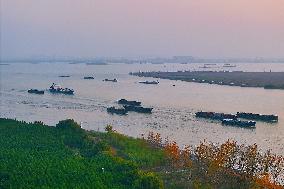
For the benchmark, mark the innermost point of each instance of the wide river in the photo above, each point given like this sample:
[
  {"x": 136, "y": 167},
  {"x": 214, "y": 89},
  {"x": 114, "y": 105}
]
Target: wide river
[{"x": 174, "y": 106}]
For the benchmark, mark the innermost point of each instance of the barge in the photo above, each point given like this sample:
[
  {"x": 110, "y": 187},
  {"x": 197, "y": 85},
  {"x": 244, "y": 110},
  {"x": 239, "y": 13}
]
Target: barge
[
  {"x": 54, "y": 88},
  {"x": 258, "y": 117},
  {"x": 119, "y": 111},
  {"x": 128, "y": 102},
  {"x": 150, "y": 82},
  {"x": 35, "y": 91},
  {"x": 239, "y": 123},
  {"x": 138, "y": 109},
  {"x": 112, "y": 80},
  {"x": 89, "y": 77},
  {"x": 215, "y": 115}
]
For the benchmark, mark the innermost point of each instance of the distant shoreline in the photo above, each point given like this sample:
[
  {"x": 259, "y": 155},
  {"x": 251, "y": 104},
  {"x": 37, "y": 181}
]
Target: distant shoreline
[{"x": 266, "y": 80}]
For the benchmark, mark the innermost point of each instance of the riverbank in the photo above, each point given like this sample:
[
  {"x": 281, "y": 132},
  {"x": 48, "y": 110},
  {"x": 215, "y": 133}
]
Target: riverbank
[
  {"x": 34, "y": 155},
  {"x": 267, "y": 80}
]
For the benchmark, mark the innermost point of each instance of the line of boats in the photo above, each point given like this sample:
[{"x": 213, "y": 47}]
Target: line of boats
[
  {"x": 128, "y": 106},
  {"x": 237, "y": 119},
  {"x": 240, "y": 119},
  {"x": 115, "y": 80},
  {"x": 112, "y": 80},
  {"x": 55, "y": 88},
  {"x": 91, "y": 77}
]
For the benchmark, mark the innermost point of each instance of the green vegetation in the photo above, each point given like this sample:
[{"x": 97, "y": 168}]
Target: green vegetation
[
  {"x": 66, "y": 156},
  {"x": 33, "y": 155}
]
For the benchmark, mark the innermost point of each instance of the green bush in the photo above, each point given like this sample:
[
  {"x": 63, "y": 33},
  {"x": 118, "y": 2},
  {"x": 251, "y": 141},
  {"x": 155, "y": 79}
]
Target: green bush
[
  {"x": 148, "y": 181},
  {"x": 68, "y": 124}
]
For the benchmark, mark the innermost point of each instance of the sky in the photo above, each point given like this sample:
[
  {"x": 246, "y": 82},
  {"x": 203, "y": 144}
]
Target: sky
[{"x": 130, "y": 28}]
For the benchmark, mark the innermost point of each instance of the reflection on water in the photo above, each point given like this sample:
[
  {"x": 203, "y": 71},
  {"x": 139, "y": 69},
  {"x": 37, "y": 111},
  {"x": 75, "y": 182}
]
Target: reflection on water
[{"x": 174, "y": 106}]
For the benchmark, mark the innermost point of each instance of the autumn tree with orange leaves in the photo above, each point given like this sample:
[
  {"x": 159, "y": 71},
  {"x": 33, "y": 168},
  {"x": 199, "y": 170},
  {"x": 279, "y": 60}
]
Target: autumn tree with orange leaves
[{"x": 227, "y": 162}]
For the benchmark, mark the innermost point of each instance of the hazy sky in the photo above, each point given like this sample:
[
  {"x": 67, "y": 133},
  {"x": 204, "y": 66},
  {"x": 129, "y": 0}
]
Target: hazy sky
[{"x": 89, "y": 28}]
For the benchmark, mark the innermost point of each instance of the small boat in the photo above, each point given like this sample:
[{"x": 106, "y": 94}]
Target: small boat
[
  {"x": 128, "y": 102},
  {"x": 35, "y": 91},
  {"x": 239, "y": 123},
  {"x": 149, "y": 82},
  {"x": 112, "y": 80},
  {"x": 258, "y": 117},
  {"x": 138, "y": 109},
  {"x": 120, "y": 111},
  {"x": 64, "y": 76},
  {"x": 89, "y": 77},
  {"x": 57, "y": 89},
  {"x": 215, "y": 115}
]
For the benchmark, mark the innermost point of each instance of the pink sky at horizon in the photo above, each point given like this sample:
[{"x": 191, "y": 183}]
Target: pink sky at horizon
[{"x": 208, "y": 28}]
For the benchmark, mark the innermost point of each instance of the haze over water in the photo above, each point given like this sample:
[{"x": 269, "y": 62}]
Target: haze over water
[{"x": 174, "y": 107}]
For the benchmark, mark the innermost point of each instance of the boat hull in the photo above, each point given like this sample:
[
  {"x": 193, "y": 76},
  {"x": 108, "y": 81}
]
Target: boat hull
[
  {"x": 89, "y": 78},
  {"x": 258, "y": 117},
  {"x": 239, "y": 123},
  {"x": 127, "y": 102},
  {"x": 118, "y": 111},
  {"x": 215, "y": 116},
  {"x": 68, "y": 92},
  {"x": 111, "y": 80},
  {"x": 149, "y": 82},
  {"x": 138, "y": 109},
  {"x": 35, "y": 91}
]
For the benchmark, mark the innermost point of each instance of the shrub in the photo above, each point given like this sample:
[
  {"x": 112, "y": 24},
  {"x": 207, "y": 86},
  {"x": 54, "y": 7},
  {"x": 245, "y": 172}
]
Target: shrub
[
  {"x": 148, "y": 181},
  {"x": 69, "y": 124},
  {"x": 109, "y": 128}
]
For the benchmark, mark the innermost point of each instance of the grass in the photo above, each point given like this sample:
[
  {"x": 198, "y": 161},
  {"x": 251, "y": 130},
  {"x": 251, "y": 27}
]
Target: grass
[{"x": 135, "y": 150}]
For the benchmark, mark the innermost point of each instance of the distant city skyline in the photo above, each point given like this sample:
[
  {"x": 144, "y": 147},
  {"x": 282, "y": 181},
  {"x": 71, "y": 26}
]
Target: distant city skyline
[{"x": 142, "y": 28}]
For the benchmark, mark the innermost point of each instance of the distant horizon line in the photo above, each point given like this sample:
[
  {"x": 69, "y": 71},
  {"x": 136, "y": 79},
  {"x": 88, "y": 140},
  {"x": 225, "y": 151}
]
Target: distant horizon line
[
  {"x": 131, "y": 57},
  {"x": 148, "y": 59}
]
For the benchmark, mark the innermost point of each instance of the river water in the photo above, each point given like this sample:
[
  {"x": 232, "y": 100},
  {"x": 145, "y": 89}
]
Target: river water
[{"x": 174, "y": 106}]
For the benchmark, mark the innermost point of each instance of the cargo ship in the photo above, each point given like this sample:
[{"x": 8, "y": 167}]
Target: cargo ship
[
  {"x": 128, "y": 102},
  {"x": 138, "y": 109},
  {"x": 239, "y": 123},
  {"x": 258, "y": 117},
  {"x": 215, "y": 115},
  {"x": 35, "y": 91},
  {"x": 54, "y": 88},
  {"x": 119, "y": 111}
]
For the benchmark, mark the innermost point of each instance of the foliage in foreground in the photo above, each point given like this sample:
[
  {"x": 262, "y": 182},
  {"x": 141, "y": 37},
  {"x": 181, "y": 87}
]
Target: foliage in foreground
[
  {"x": 65, "y": 156},
  {"x": 33, "y": 155},
  {"x": 228, "y": 165}
]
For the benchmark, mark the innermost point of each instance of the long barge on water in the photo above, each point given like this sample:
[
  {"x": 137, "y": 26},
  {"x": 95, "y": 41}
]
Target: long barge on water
[
  {"x": 258, "y": 117},
  {"x": 239, "y": 115},
  {"x": 239, "y": 123},
  {"x": 215, "y": 115},
  {"x": 129, "y": 102}
]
